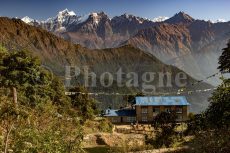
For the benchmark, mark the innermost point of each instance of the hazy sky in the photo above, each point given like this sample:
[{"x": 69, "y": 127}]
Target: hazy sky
[{"x": 42, "y": 9}]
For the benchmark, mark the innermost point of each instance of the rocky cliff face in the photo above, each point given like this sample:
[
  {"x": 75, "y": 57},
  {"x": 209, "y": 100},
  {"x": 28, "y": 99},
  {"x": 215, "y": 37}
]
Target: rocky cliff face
[{"x": 56, "y": 53}]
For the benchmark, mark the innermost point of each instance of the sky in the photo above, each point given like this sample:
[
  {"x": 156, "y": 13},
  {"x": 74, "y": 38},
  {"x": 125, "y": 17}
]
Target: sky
[{"x": 43, "y": 9}]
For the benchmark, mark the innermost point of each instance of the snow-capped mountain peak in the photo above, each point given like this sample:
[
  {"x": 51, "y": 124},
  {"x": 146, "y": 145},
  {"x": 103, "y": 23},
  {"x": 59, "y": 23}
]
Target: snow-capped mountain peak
[
  {"x": 215, "y": 21},
  {"x": 47, "y": 20},
  {"x": 220, "y": 20},
  {"x": 94, "y": 14},
  {"x": 83, "y": 18},
  {"x": 128, "y": 17},
  {"x": 62, "y": 20},
  {"x": 66, "y": 12},
  {"x": 27, "y": 19},
  {"x": 160, "y": 19},
  {"x": 95, "y": 18}
]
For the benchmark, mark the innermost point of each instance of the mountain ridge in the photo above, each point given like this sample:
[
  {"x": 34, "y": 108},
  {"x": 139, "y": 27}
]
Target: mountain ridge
[
  {"x": 193, "y": 47},
  {"x": 170, "y": 40},
  {"x": 56, "y": 52}
]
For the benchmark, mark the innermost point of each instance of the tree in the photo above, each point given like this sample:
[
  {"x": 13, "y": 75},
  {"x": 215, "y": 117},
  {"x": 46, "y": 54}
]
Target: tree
[
  {"x": 196, "y": 123},
  {"x": 164, "y": 119},
  {"x": 51, "y": 125},
  {"x": 211, "y": 128},
  {"x": 38, "y": 129},
  {"x": 224, "y": 59},
  {"x": 165, "y": 124},
  {"x": 131, "y": 98},
  {"x": 18, "y": 68},
  {"x": 218, "y": 112},
  {"x": 81, "y": 101}
]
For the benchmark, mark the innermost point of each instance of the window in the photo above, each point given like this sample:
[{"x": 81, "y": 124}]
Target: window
[
  {"x": 156, "y": 110},
  {"x": 179, "y": 117},
  {"x": 131, "y": 119},
  {"x": 179, "y": 110},
  {"x": 144, "y": 110},
  {"x": 144, "y": 119},
  {"x": 114, "y": 120},
  {"x": 168, "y": 109}
]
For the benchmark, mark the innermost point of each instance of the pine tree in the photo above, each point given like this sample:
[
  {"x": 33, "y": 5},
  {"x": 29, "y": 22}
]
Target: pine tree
[
  {"x": 82, "y": 102},
  {"x": 18, "y": 68},
  {"x": 218, "y": 112},
  {"x": 224, "y": 59}
]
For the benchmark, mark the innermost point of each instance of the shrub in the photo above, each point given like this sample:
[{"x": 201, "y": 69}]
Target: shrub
[{"x": 105, "y": 126}]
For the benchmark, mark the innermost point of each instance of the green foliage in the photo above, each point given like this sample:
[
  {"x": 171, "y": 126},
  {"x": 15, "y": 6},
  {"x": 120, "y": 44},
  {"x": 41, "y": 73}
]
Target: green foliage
[
  {"x": 217, "y": 115},
  {"x": 44, "y": 120},
  {"x": 196, "y": 123},
  {"x": 211, "y": 128},
  {"x": 34, "y": 83},
  {"x": 165, "y": 119},
  {"x": 216, "y": 141},
  {"x": 53, "y": 91},
  {"x": 191, "y": 115},
  {"x": 165, "y": 124},
  {"x": 19, "y": 68},
  {"x": 131, "y": 98},
  {"x": 105, "y": 126},
  {"x": 218, "y": 112},
  {"x": 58, "y": 94},
  {"x": 85, "y": 105},
  {"x": 3, "y": 52},
  {"x": 224, "y": 59},
  {"x": 41, "y": 129}
]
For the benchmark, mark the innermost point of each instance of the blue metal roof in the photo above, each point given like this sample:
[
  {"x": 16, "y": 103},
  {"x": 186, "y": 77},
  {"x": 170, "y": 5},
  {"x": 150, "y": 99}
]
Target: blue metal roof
[
  {"x": 120, "y": 112},
  {"x": 162, "y": 101}
]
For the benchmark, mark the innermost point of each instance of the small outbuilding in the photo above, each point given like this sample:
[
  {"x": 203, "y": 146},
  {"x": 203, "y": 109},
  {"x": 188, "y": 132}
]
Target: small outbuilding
[{"x": 121, "y": 115}]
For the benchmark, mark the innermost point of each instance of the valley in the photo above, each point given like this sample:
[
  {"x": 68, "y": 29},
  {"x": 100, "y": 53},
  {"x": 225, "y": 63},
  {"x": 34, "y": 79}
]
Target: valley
[{"x": 56, "y": 53}]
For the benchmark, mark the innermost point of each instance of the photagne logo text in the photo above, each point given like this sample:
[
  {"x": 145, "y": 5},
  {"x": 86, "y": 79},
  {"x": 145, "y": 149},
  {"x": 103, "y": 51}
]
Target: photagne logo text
[{"x": 148, "y": 82}]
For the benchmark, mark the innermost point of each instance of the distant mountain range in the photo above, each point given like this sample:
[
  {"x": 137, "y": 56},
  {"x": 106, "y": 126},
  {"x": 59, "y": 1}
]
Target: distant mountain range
[
  {"x": 56, "y": 53},
  {"x": 192, "y": 45}
]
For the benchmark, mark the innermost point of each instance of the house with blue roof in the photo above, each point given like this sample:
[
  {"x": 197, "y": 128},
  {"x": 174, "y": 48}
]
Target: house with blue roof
[{"x": 146, "y": 108}]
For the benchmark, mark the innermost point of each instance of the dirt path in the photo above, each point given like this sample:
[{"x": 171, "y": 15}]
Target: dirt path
[{"x": 113, "y": 139}]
